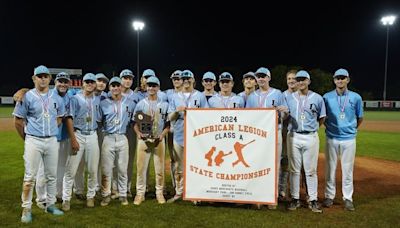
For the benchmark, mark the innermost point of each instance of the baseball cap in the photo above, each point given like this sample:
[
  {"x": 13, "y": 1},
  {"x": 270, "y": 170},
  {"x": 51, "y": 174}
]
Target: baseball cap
[
  {"x": 176, "y": 74},
  {"x": 249, "y": 74},
  {"x": 153, "y": 80},
  {"x": 148, "y": 72},
  {"x": 341, "y": 72},
  {"x": 126, "y": 73},
  {"x": 225, "y": 76},
  {"x": 302, "y": 74},
  {"x": 101, "y": 76},
  {"x": 89, "y": 77},
  {"x": 41, "y": 70},
  {"x": 187, "y": 74},
  {"x": 209, "y": 75},
  {"x": 263, "y": 70},
  {"x": 62, "y": 75},
  {"x": 115, "y": 80}
]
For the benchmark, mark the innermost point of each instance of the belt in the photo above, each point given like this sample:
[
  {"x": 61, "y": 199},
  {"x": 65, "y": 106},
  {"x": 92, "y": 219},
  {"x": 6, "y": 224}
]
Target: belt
[
  {"x": 88, "y": 132},
  {"x": 42, "y": 137},
  {"x": 305, "y": 132}
]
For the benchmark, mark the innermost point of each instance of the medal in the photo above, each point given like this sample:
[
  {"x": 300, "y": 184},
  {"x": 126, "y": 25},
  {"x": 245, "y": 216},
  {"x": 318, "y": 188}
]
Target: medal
[
  {"x": 88, "y": 119},
  {"x": 46, "y": 115},
  {"x": 45, "y": 104},
  {"x": 342, "y": 106},
  {"x": 302, "y": 104},
  {"x": 342, "y": 115},
  {"x": 116, "y": 121},
  {"x": 302, "y": 116}
]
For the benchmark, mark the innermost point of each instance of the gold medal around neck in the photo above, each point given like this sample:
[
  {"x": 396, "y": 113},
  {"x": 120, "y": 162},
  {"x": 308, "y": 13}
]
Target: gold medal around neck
[
  {"x": 88, "y": 119},
  {"x": 46, "y": 115},
  {"x": 342, "y": 115},
  {"x": 302, "y": 116},
  {"x": 116, "y": 121}
]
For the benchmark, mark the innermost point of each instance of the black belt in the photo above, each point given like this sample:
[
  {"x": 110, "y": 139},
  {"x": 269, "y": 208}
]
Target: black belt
[
  {"x": 305, "y": 132},
  {"x": 42, "y": 137}
]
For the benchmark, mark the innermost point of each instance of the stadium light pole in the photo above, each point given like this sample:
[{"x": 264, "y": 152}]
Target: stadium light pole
[
  {"x": 138, "y": 26},
  {"x": 387, "y": 21}
]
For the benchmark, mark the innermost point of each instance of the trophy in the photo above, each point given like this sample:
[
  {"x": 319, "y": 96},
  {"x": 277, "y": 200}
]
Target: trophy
[{"x": 149, "y": 128}]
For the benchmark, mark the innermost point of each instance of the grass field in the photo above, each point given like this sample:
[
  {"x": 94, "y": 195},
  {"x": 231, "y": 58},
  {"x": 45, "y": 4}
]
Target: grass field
[{"x": 372, "y": 211}]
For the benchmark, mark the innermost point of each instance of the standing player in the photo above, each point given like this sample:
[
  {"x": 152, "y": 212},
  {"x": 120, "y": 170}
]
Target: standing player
[
  {"x": 116, "y": 118},
  {"x": 307, "y": 113},
  {"x": 82, "y": 127},
  {"x": 177, "y": 83},
  {"x": 225, "y": 98},
  {"x": 344, "y": 109},
  {"x": 41, "y": 110},
  {"x": 249, "y": 84},
  {"x": 187, "y": 98},
  {"x": 157, "y": 110},
  {"x": 209, "y": 81},
  {"x": 268, "y": 97}
]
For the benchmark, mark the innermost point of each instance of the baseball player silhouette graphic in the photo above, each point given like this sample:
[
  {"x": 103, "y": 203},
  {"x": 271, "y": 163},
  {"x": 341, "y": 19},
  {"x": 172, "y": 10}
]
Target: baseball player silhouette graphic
[{"x": 238, "y": 149}]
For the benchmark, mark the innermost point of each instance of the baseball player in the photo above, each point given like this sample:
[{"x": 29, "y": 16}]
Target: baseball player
[
  {"x": 187, "y": 98},
  {"x": 157, "y": 109},
  {"x": 344, "y": 110},
  {"x": 284, "y": 171},
  {"x": 116, "y": 114},
  {"x": 177, "y": 83},
  {"x": 225, "y": 98},
  {"x": 36, "y": 119},
  {"x": 268, "y": 97},
  {"x": 249, "y": 83},
  {"x": 142, "y": 90},
  {"x": 209, "y": 81},
  {"x": 82, "y": 126},
  {"x": 307, "y": 113}
]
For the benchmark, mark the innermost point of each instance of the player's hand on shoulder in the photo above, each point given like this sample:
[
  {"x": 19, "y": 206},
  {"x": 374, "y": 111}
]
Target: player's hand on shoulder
[{"x": 20, "y": 94}]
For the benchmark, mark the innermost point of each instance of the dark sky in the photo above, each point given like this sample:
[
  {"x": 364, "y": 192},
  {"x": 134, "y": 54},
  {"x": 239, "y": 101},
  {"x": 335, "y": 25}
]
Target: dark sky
[{"x": 201, "y": 36}]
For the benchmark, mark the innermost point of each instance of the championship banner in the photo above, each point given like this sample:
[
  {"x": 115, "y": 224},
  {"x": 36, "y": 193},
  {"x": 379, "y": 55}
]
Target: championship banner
[{"x": 230, "y": 155}]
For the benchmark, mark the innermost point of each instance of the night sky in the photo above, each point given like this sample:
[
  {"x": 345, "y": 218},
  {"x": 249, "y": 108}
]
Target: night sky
[{"x": 201, "y": 36}]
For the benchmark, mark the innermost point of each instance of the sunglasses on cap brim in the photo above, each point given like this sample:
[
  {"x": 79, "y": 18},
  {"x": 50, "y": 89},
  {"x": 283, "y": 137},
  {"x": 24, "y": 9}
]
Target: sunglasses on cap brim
[
  {"x": 152, "y": 84},
  {"x": 89, "y": 81},
  {"x": 115, "y": 84},
  {"x": 299, "y": 79}
]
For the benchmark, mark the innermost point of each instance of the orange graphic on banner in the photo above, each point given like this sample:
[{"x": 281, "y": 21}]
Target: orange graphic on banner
[
  {"x": 209, "y": 154},
  {"x": 219, "y": 158},
  {"x": 238, "y": 149}
]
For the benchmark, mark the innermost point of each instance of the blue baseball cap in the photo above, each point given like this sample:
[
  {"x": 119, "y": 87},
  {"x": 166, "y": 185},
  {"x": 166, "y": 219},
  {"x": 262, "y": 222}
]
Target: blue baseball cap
[
  {"x": 187, "y": 74},
  {"x": 126, "y": 73},
  {"x": 89, "y": 77},
  {"x": 302, "y": 74},
  {"x": 101, "y": 76},
  {"x": 209, "y": 75},
  {"x": 115, "y": 80},
  {"x": 62, "y": 75},
  {"x": 153, "y": 80},
  {"x": 41, "y": 70},
  {"x": 176, "y": 74},
  {"x": 225, "y": 76},
  {"x": 263, "y": 70},
  {"x": 148, "y": 72},
  {"x": 341, "y": 72},
  {"x": 249, "y": 74}
]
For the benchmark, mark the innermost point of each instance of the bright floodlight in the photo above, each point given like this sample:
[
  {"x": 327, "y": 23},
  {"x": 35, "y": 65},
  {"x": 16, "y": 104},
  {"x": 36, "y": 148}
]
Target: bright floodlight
[
  {"x": 388, "y": 20},
  {"x": 138, "y": 25}
]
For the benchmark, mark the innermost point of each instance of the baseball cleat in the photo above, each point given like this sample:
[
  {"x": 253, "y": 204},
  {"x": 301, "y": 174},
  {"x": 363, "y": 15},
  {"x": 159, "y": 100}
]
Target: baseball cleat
[
  {"x": 106, "y": 200},
  {"x": 138, "y": 199},
  {"x": 160, "y": 198},
  {"x": 314, "y": 206},
  {"x": 80, "y": 196},
  {"x": 294, "y": 204},
  {"x": 65, "y": 206},
  {"x": 90, "y": 202},
  {"x": 327, "y": 202},
  {"x": 348, "y": 205},
  {"x": 52, "y": 209},
  {"x": 26, "y": 216},
  {"x": 124, "y": 201},
  {"x": 114, "y": 195},
  {"x": 41, "y": 205},
  {"x": 175, "y": 198}
]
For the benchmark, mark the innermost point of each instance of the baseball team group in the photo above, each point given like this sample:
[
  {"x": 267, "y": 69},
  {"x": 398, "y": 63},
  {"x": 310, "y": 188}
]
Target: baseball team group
[{"x": 95, "y": 132}]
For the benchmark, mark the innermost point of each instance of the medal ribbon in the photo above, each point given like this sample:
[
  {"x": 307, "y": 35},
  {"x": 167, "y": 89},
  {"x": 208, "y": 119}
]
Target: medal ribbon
[
  {"x": 302, "y": 104},
  {"x": 346, "y": 99},
  {"x": 45, "y": 102},
  {"x": 225, "y": 102},
  {"x": 117, "y": 108},
  {"x": 186, "y": 100},
  {"x": 261, "y": 98}
]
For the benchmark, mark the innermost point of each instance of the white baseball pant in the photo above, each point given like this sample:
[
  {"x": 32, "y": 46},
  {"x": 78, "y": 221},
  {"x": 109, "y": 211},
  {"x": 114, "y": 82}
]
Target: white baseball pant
[
  {"x": 143, "y": 159},
  {"x": 344, "y": 150},
  {"x": 178, "y": 167},
  {"x": 89, "y": 150},
  {"x": 36, "y": 150},
  {"x": 131, "y": 135},
  {"x": 115, "y": 146},
  {"x": 303, "y": 150}
]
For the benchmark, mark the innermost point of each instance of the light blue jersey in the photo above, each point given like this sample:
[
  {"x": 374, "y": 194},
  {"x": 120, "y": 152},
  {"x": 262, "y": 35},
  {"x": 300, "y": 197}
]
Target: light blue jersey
[
  {"x": 116, "y": 115},
  {"x": 62, "y": 128},
  {"x": 134, "y": 96},
  {"x": 305, "y": 111},
  {"x": 342, "y": 114},
  {"x": 232, "y": 101},
  {"x": 244, "y": 96},
  {"x": 143, "y": 94},
  {"x": 195, "y": 99},
  {"x": 157, "y": 110},
  {"x": 85, "y": 112},
  {"x": 170, "y": 93},
  {"x": 40, "y": 112}
]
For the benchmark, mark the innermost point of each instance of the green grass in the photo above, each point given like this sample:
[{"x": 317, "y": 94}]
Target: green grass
[
  {"x": 382, "y": 212},
  {"x": 382, "y": 115},
  {"x": 6, "y": 111}
]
